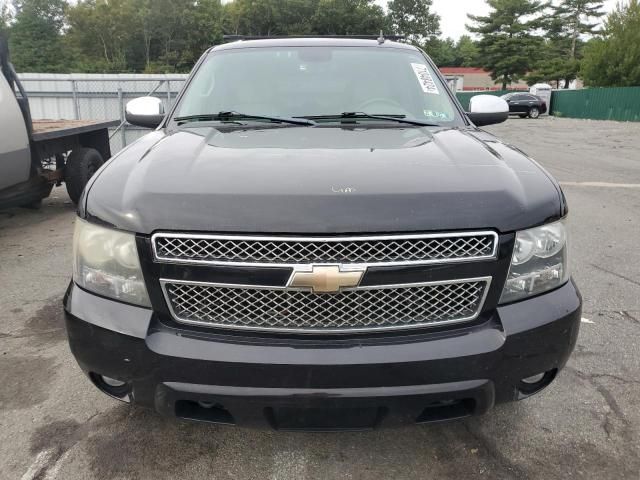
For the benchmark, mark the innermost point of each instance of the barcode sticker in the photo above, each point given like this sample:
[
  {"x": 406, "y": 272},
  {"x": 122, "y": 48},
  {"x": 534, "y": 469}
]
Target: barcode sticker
[{"x": 425, "y": 79}]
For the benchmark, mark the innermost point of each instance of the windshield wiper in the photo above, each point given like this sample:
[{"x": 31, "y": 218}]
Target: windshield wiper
[
  {"x": 234, "y": 116},
  {"x": 356, "y": 115}
]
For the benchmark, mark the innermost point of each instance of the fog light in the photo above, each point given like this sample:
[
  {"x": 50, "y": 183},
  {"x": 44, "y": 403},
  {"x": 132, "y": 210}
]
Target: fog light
[
  {"x": 113, "y": 387},
  {"x": 533, "y": 384},
  {"x": 533, "y": 379},
  {"x": 112, "y": 382}
]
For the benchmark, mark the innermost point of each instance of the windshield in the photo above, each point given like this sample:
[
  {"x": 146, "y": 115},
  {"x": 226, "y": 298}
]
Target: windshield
[{"x": 319, "y": 82}]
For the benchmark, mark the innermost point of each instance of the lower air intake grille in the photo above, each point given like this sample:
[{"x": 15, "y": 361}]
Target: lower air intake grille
[{"x": 352, "y": 310}]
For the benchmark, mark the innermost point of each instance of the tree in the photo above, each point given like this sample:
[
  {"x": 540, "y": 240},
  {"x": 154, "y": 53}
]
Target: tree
[
  {"x": 233, "y": 14},
  {"x": 35, "y": 37},
  {"x": 348, "y": 17},
  {"x": 179, "y": 44},
  {"x": 170, "y": 35},
  {"x": 508, "y": 46},
  {"x": 554, "y": 69},
  {"x": 442, "y": 52},
  {"x": 447, "y": 53},
  {"x": 164, "y": 25},
  {"x": 575, "y": 16},
  {"x": 614, "y": 59},
  {"x": 414, "y": 19},
  {"x": 567, "y": 23},
  {"x": 153, "y": 36},
  {"x": 5, "y": 17},
  {"x": 204, "y": 29},
  {"x": 466, "y": 52},
  {"x": 554, "y": 65},
  {"x": 259, "y": 17},
  {"x": 104, "y": 36},
  {"x": 303, "y": 17}
]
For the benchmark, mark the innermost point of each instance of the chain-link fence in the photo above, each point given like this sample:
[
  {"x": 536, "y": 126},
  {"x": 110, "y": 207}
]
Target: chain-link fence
[{"x": 97, "y": 97}]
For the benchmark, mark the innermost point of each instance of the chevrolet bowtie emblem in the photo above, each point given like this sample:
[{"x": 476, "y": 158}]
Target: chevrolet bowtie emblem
[{"x": 326, "y": 279}]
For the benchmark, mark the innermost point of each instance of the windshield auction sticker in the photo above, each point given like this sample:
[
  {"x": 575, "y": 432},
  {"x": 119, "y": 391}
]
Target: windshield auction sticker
[{"x": 425, "y": 79}]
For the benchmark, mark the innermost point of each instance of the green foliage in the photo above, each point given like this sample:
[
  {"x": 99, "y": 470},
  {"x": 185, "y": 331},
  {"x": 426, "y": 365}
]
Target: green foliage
[
  {"x": 614, "y": 59},
  {"x": 153, "y": 36},
  {"x": 467, "y": 52},
  {"x": 554, "y": 69},
  {"x": 268, "y": 17},
  {"x": 348, "y": 17},
  {"x": 5, "y": 17},
  {"x": 158, "y": 36},
  {"x": 414, "y": 19},
  {"x": 509, "y": 46},
  {"x": 303, "y": 17},
  {"x": 101, "y": 35},
  {"x": 447, "y": 53},
  {"x": 442, "y": 51},
  {"x": 575, "y": 18},
  {"x": 35, "y": 36},
  {"x": 567, "y": 23}
]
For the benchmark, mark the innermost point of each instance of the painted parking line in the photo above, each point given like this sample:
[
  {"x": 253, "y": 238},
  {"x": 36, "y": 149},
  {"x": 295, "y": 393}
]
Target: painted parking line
[{"x": 600, "y": 184}]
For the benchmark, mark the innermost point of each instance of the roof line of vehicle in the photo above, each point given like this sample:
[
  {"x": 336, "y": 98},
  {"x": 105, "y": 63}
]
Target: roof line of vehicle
[
  {"x": 311, "y": 42},
  {"x": 380, "y": 38}
]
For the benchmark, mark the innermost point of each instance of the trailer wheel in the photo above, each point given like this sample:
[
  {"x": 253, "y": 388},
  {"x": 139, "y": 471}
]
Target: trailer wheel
[{"x": 81, "y": 164}]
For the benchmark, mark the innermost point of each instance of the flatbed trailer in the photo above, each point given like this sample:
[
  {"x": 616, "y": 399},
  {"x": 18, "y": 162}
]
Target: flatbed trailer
[
  {"x": 57, "y": 129},
  {"x": 51, "y": 137},
  {"x": 67, "y": 151},
  {"x": 35, "y": 155}
]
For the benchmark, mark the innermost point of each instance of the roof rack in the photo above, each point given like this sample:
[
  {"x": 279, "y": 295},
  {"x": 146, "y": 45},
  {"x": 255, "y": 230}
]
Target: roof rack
[{"x": 380, "y": 38}]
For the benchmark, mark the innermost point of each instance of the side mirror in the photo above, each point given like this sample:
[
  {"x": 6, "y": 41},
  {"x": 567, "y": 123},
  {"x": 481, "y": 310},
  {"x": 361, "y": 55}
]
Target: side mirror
[
  {"x": 145, "y": 112},
  {"x": 487, "y": 110}
]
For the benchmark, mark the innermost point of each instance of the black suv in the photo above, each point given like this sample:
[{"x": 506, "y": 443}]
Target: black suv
[
  {"x": 316, "y": 236},
  {"x": 525, "y": 104}
]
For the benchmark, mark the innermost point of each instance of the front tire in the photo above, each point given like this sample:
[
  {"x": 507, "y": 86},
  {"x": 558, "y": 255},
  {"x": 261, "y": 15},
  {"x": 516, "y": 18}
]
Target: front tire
[
  {"x": 81, "y": 164},
  {"x": 534, "y": 112}
]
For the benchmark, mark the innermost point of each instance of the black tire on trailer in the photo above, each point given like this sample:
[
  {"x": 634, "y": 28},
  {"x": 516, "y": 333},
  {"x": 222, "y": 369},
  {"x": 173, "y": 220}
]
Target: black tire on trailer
[
  {"x": 534, "y": 112},
  {"x": 81, "y": 164}
]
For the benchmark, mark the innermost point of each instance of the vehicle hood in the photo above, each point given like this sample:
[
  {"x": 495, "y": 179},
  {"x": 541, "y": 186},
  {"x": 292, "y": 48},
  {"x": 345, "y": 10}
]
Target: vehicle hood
[{"x": 321, "y": 180}]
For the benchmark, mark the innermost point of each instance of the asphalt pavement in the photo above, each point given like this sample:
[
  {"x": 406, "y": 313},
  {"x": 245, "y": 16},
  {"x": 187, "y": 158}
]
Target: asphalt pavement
[{"x": 55, "y": 425}]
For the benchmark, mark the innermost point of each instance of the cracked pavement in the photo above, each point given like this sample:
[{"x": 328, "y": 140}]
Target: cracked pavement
[{"x": 55, "y": 425}]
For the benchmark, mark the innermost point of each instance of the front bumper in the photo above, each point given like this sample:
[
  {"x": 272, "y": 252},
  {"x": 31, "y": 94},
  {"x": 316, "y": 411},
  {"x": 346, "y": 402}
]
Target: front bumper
[{"x": 325, "y": 384}]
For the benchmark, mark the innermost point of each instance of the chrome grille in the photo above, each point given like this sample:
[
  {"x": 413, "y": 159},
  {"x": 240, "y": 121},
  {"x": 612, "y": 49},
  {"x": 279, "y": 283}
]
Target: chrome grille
[
  {"x": 364, "y": 308},
  {"x": 370, "y": 250}
]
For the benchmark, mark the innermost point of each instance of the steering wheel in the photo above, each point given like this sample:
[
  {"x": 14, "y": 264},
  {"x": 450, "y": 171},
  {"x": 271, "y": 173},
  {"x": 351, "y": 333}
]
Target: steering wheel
[{"x": 396, "y": 108}]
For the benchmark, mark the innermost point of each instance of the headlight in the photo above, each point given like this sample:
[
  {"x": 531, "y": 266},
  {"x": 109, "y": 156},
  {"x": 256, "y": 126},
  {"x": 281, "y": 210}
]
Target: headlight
[
  {"x": 538, "y": 263},
  {"x": 106, "y": 262}
]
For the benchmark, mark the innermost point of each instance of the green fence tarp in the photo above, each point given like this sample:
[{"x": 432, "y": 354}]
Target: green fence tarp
[{"x": 615, "y": 103}]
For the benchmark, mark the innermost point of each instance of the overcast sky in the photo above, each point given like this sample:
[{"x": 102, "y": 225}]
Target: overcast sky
[{"x": 453, "y": 13}]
